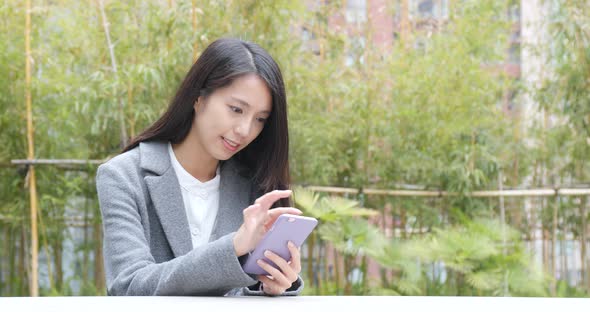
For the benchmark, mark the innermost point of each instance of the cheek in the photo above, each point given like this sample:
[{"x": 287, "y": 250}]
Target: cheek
[
  {"x": 257, "y": 133},
  {"x": 206, "y": 129}
]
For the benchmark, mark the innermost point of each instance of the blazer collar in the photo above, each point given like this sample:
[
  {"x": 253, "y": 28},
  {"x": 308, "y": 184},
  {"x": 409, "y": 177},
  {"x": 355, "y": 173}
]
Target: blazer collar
[
  {"x": 154, "y": 157},
  {"x": 164, "y": 190}
]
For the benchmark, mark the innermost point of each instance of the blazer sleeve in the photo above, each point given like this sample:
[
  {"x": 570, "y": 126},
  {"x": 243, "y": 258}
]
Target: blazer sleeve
[
  {"x": 256, "y": 289},
  {"x": 212, "y": 269}
]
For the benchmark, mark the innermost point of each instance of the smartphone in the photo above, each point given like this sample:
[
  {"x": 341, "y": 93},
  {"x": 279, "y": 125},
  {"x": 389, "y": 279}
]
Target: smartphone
[{"x": 286, "y": 228}]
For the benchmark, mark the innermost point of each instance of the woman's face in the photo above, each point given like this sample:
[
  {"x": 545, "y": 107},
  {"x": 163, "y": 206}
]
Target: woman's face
[{"x": 230, "y": 118}]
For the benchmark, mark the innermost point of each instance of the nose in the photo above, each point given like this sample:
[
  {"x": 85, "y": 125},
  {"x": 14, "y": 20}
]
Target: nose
[{"x": 243, "y": 128}]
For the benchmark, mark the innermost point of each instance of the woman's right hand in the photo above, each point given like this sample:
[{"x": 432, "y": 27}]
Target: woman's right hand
[{"x": 258, "y": 218}]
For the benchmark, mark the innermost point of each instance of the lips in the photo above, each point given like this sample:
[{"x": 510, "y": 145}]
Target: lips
[{"x": 230, "y": 145}]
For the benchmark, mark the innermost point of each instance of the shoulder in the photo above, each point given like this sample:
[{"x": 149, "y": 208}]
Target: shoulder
[
  {"x": 122, "y": 162},
  {"x": 118, "y": 178},
  {"x": 123, "y": 168},
  {"x": 149, "y": 156}
]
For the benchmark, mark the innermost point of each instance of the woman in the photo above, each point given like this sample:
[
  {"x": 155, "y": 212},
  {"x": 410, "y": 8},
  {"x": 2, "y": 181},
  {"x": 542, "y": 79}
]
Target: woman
[{"x": 182, "y": 206}]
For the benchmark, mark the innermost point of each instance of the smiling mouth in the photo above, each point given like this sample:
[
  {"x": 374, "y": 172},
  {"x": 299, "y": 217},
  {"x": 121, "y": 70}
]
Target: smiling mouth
[{"x": 230, "y": 145}]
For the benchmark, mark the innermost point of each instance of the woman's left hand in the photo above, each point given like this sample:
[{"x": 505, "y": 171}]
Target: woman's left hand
[{"x": 280, "y": 279}]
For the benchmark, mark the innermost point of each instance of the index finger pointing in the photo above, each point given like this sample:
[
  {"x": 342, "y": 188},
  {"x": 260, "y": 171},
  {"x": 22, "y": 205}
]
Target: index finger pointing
[{"x": 269, "y": 198}]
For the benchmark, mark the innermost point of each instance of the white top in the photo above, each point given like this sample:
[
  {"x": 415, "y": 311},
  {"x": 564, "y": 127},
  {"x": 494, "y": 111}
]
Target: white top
[{"x": 201, "y": 201}]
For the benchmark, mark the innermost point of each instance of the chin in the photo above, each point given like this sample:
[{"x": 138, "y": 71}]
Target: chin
[{"x": 223, "y": 156}]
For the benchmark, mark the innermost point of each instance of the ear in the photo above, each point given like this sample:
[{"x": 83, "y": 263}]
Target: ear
[{"x": 198, "y": 103}]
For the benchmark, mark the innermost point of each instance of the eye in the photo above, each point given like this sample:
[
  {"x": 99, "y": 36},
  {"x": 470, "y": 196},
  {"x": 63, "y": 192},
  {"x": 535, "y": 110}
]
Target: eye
[
  {"x": 261, "y": 120},
  {"x": 235, "y": 109}
]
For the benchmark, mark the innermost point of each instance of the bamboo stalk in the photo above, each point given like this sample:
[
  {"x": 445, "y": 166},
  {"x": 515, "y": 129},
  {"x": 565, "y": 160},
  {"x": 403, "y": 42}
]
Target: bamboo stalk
[
  {"x": 553, "y": 246},
  {"x": 402, "y": 214},
  {"x": 130, "y": 107},
  {"x": 32, "y": 181},
  {"x": 503, "y": 217},
  {"x": 46, "y": 248},
  {"x": 310, "y": 246},
  {"x": 320, "y": 37},
  {"x": 347, "y": 267},
  {"x": 23, "y": 264},
  {"x": 583, "y": 267},
  {"x": 573, "y": 192},
  {"x": 326, "y": 275},
  {"x": 367, "y": 78},
  {"x": 18, "y": 219},
  {"x": 85, "y": 252},
  {"x": 194, "y": 18},
  {"x": 99, "y": 274},
  {"x": 27, "y": 162},
  {"x": 171, "y": 9},
  {"x": 364, "y": 268},
  {"x": 388, "y": 212},
  {"x": 3, "y": 249},
  {"x": 545, "y": 250},
  {"x": 405, "y": 23},
  {"x": 585, "y": 232},
  {"x": 11, "y": 261},
  {"x": 336, "y": 268},
  {"x": 494, "y": 193},
  {"x": 111, "y": 47},
  {"x": 58, "y": 263},
  {"x": 562, "y": 249}
]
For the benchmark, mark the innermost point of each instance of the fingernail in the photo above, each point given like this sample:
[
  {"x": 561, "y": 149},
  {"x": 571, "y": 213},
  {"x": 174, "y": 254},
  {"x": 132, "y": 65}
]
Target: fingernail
[
  {"x": 290, "y": 243},
  {"x": 259, "y": 261},
  {"x": 267, "y": 253}
]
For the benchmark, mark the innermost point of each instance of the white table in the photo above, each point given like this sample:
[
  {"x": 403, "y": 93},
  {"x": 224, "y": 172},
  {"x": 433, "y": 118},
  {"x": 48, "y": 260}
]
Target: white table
[{"x": 282, "y": 304}]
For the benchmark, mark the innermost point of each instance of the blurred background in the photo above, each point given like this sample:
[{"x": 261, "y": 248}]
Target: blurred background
[{"x": 443, "y": 144}]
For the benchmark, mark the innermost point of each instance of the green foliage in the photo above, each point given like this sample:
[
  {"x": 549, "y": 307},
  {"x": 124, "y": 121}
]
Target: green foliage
[
  {"x": 427, "y": 111},
  {"x": 481, "y": 257},
  {"x": 329, "y": 209},
  {"x": 564, "y": 91},
  {"x": 490, "y": 257}
]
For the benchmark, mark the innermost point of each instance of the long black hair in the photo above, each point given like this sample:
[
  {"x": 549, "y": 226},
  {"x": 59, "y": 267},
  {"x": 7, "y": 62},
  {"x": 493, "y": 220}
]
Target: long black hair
[{"x": 224, "y": 60}]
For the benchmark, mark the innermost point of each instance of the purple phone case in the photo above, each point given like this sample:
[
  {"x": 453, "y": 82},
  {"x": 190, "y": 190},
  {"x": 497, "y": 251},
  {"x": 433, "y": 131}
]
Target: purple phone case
[{"x": 286, "y": 228}]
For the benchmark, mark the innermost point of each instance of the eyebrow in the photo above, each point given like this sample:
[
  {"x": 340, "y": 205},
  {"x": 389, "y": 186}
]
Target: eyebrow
[{"x": 246, "y": 103}]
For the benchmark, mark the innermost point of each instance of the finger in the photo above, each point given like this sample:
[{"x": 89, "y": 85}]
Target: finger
[
  {"x": 276, "y": 212},
  {"x": 269, "y": 198},
  {"x": 285, "y": 268},
  {"x": 277, "y": 276},
  {"x": 251, "y": 208},
  {"x": 295, "y": 262},
  {"x": 254, "y": 214},
  {"x": 269, "y": 286}
]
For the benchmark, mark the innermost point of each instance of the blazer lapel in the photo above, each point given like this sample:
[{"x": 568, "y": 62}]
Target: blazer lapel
[
  {"x": 234, "y": 197},
  {"x": 166, "y": 196}
]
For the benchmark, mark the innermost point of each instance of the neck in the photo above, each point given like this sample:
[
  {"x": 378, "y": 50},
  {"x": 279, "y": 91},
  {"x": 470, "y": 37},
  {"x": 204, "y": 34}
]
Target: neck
[{"x": 194, "y": 159}]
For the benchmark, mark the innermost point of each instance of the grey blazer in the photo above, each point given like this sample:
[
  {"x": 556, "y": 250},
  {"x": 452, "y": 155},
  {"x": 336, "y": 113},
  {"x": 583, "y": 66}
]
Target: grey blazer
[{"x": 147, "y": 246}]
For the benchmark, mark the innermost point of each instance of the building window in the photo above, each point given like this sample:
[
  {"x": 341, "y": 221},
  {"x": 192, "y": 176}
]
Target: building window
[
  {"x": 307, "y": 34},
  {"x": 355, "y": 54},
  {"x": 425, "y": 9},
  {"x": 356, "y": 11}
]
